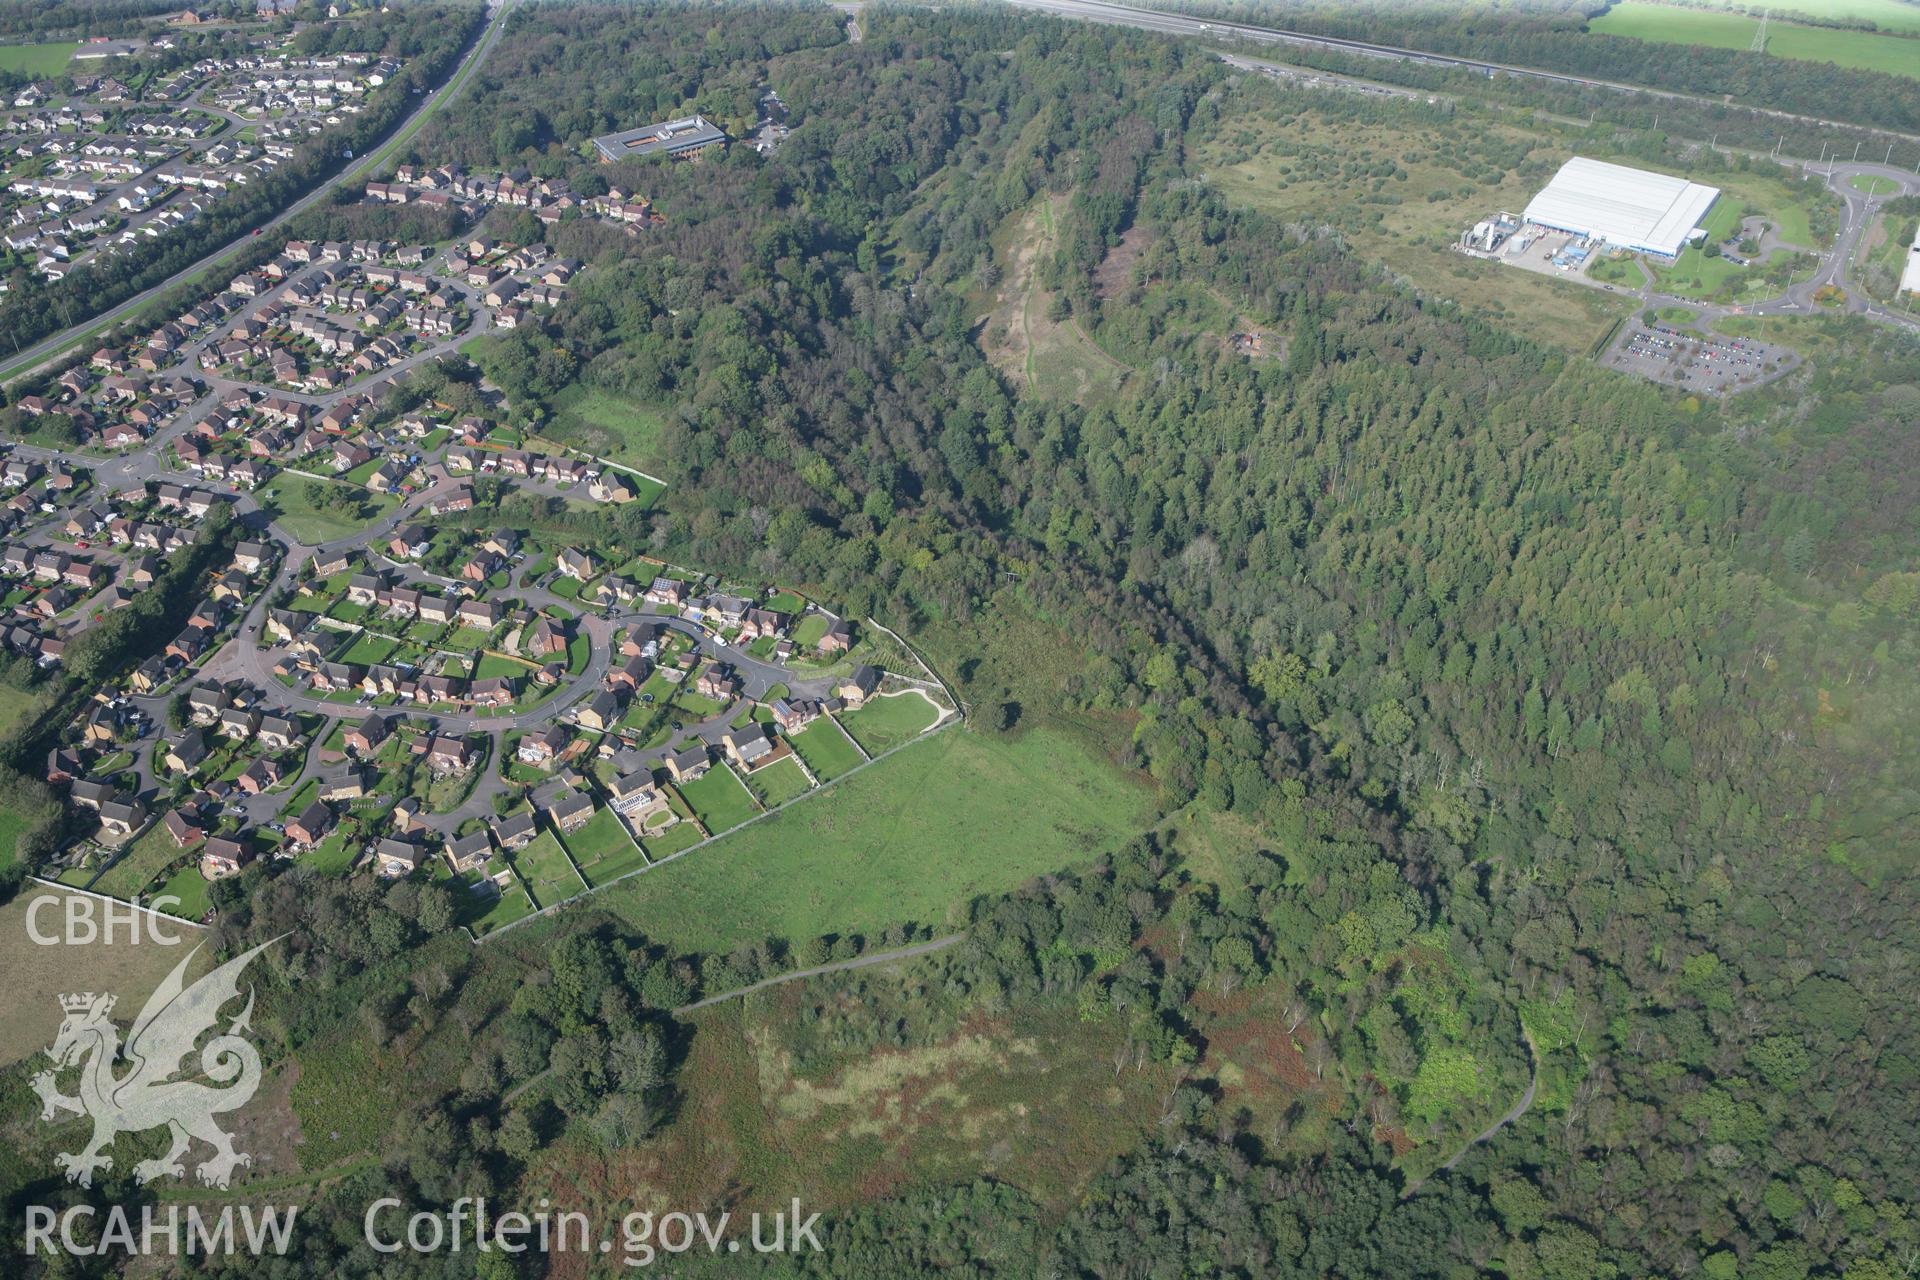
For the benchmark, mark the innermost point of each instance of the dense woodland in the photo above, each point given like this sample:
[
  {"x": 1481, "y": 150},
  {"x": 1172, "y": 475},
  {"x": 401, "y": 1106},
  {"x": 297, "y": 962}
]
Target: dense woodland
[{"x": 1569, "y": 714}]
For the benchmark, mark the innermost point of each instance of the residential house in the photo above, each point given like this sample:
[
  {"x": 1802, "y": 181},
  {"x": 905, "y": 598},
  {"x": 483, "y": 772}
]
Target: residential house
[
  {"x": 449, "y": 755},
  {"x": 859, "y": 686},
  {"x": 224, "y": 856},
  {"x": 635, "y": 794},
  {"x": 763, "y": 622},
  {"x": 311, "y": 827},
  {"x": 121, "y": 818},
  {"x": 365, "y": 738},
  {"x": 397, "y": 859},
  {"x": 837, "y": 638},
  {"x": 570, "y": 810},
  {"x": 603, "y": 712},
  {"x": 239, "y": 723},
  {"x": 540, "y": 749},
  {"x": 185, "y": 831},
  {"x": 548, "y": 637},
  {"x": 185, "y": 753},
  {"x": 344, "y": 783},
  {"x": 515, "y": 831},
  {"x": 716, "y": 681},
  {"x": 469, "y": 851},
  {"x": 260, "y": 775},
  {"x": 690, "y": 764},
  {"x": 748, "y": 747}
]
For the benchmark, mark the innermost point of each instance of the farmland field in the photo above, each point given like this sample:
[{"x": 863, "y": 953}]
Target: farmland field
[
  {"x": 1865, "y": 50},
  {"x": 889, "y": 721},
  {"x": 1888, "y": 15},
  {"x": 906, "y": 839},
  {"x": 36, "y": 59},
  {"x": 38, "y": 975},
  {"x": 825, "y": 748}
]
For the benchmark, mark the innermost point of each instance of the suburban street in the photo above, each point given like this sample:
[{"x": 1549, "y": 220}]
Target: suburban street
[{"x": 43, "y": 352}]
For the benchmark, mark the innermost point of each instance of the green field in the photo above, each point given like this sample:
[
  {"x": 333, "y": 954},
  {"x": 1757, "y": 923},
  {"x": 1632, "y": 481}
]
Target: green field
[
  {"x": 825, "y": 748},
  {"x": 779, "y": 782},
  {"x": 544, "y": 866},
  {"x": 15, "y": 705},
  {"x": 719, "y": 799},
  {"x": 37, "y": 975},
  {"x": 909, "y": 839},
  {"x": 609, "y": 425},
  {"x": 889, "y": 721},
  {"x": 603, "y": 849},
  {"x": 286, "y": 498},
  {"x": 1888, "y": 15},
  {"x": 36, "y": 59},
  {"x": 1865, "y": 50}
]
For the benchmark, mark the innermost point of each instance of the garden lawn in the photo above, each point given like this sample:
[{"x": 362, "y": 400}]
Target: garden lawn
[
  {"x": 188, "y": 885},
  {"x": 913, "y": 838},
  {"x": 826, "y": 749},
  {"x": 603, "y": 849},
  {"x": 719, "y": 799},
  {"x": 483, "y": 911},
  {"x": 139, "y": 866},
  {"x": 662, "y": 844},
  {"x": 544, "y": 866},
  {"x": 779, "y": 782},
  {"x": 889, "y": 721}
]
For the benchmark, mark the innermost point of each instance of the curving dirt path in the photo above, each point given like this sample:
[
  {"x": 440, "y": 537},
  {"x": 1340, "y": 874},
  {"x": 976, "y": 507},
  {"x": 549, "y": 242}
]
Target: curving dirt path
[{"x": 1514, "y": 1112}]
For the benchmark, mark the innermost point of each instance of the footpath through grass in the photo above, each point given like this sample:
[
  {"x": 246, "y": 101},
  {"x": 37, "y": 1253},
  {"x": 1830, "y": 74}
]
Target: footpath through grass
[{"x": 913, "y": 837}]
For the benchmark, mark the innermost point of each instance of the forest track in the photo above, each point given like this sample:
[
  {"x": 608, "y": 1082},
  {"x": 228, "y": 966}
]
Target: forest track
[{"x": 1514, "y": 1112}]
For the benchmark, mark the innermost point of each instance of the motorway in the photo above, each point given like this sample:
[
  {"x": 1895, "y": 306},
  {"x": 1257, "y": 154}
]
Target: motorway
[
  {"x": 1181, "y": 25},
  {"x": 42, "y": 353}
]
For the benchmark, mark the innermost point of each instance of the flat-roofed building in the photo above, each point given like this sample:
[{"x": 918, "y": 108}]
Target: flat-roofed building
[
  {"x": 687, "y": 136},
  {"x": 1627, "y": 208}
]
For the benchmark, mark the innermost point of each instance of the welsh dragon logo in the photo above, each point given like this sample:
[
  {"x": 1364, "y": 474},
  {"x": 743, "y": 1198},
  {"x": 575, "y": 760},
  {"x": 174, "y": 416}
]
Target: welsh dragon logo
[{"x": 169, "y": 1026}]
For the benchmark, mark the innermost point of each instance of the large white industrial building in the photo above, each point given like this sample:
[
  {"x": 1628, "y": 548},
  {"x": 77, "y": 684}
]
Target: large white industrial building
[{"x": 1626, "y": 208}]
